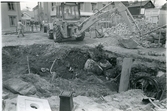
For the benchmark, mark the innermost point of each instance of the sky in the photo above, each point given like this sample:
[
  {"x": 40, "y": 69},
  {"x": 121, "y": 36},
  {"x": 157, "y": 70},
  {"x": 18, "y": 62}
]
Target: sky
[
  {"x": 25, "y": 4},
  {"x": 31, "y": 5}
]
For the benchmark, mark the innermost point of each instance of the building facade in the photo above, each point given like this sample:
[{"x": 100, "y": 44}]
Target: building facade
[
  {"x": 47, "y": 10},
  {"x": 26, "y": 18},
  {"x": 35, "y": 10},
  {"x": 152, "y": 15},
  {"x": 10, "y": 14},
  {"x": 135, "y": 8}
]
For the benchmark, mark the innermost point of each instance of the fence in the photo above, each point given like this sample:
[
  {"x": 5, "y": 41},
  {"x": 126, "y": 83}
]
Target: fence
[{"x": 32, "y": 28}]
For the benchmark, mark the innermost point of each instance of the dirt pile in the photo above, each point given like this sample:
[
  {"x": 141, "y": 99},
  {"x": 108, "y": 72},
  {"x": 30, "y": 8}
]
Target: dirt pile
[
  {"x": 69, "y": 69},
  {"x": 69, "y": 74},
  {"x": 125, "y": 101},
  {"x": 117, "y": 26}
]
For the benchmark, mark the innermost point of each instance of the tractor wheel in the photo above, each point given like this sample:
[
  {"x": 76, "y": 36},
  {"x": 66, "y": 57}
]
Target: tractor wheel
[
  {"x": 82, "y": 37},
  {"x": 57, "y": 35},
  {"x": 50, "y": 35}
]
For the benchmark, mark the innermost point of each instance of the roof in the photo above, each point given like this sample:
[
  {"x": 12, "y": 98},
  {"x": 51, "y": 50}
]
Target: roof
[
  {"x": 36, "y": 7},
  {"x": 164, "y": 6},
  {"x": 29, "y": 13},
  {"x": 138, "y": 4},
  {"x": 126, "y": 3}
]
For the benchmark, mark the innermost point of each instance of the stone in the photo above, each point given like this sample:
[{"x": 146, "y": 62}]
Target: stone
[
  {"x": 128, "y": 43},
  {"x": 116, "y": 99},
  {"x": 25, "y": 103},
  {"x": 160, "y": 73},
  {"x": 42, "y": 86},
  {"x": 111, "y": 73},
  {"x": 105, "y": 64},
  {"x": 9, "y": 105},
  {"x": 93, "y": 66},
  {"x": 5, "y": 95},
  {"x": 150, "y": 38},
  {"x": 129, "y": 109},
  {"x": 16, "y": 85},
  {"x": 156, "y": 36}
]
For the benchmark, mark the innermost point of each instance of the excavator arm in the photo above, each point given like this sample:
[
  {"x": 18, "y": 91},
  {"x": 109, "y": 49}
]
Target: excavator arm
[
  {"x": 93, "y": 19},
  {"x": 118, "y": 6}
]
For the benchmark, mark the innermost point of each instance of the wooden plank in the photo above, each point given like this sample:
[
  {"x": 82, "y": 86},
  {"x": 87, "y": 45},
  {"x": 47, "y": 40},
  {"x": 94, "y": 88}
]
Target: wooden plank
[{"x": 125, "y": 74}]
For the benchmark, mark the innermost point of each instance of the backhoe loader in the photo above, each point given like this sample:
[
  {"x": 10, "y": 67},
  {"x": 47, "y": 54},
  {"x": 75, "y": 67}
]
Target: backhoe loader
[{"x": 67, "y": 23}]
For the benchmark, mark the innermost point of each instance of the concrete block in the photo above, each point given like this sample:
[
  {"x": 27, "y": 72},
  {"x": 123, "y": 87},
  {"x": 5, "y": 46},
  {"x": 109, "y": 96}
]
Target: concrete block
[{"x": 25, "y": 103}]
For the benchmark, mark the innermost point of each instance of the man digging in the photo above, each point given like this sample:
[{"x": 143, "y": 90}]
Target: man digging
[{"x": 20, "y": 28}]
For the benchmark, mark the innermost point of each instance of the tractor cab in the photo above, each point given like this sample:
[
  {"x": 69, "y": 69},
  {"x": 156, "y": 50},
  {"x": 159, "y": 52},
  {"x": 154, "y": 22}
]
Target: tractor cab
[
  {"x": 65, "y": 25},
  {"x": 68, "y": 11}
]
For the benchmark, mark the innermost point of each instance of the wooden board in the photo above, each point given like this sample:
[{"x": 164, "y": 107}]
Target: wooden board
[{"x": 125, "y": 74}]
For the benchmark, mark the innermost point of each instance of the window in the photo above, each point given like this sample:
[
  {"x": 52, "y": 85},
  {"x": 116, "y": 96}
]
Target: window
[
  {"x": 11, "y": 6},
  {"x": 52, "y": 6},
  {"x": 104, "y": 5},
  {"x": 93, "y": 6},
  {"x": 12, "y": 20},
  {"x": 81, "y": 6},
  {"x": 71, "y": 12}
]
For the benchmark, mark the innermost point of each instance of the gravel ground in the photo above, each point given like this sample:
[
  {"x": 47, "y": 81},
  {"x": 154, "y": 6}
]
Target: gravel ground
[{"x": 110, "y": 44}]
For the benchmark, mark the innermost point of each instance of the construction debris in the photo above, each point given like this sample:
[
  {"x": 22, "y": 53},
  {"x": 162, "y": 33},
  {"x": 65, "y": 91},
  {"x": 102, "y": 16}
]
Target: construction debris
[
  {"x": 92, "y": 66},
  {"x": 119, "y": 27},
  {"x": 91, "y": 91},
  {"x": 25, "y": 103},
  {"x": 23, "y": 87}
]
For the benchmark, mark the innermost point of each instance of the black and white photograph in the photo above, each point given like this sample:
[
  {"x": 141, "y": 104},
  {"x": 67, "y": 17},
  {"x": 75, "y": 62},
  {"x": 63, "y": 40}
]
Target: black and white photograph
[{"x": 84, "y": 55}]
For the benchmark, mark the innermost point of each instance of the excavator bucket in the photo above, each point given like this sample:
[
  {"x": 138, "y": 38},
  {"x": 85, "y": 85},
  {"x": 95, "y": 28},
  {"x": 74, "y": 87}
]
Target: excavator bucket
[{"x": 128, "y": 43}]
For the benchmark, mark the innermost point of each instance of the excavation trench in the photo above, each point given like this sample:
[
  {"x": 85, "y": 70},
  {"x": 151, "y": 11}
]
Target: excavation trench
[{"x": 32, "y": 64}]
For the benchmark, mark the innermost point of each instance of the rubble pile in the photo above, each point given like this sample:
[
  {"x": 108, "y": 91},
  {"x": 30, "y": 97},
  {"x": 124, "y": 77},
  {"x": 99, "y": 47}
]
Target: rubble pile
[
  {"x": 120, "y": 29},
  {"x": 144, "y": 26},
  {"x": 152, "y": 40}
]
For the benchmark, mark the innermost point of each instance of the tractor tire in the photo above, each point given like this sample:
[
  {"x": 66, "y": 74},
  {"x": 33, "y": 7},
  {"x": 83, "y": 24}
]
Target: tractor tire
[
  {"x": 50, "y": 35},
  {"x": 82, "y": 37},
  {"x": 57, "y": 35}
]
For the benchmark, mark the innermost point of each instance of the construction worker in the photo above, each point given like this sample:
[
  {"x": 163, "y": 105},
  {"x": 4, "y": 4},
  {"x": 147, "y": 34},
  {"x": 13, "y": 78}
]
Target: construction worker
[
  {"x": 68, "y": 15},
  {"x": 20, "y": 29}
]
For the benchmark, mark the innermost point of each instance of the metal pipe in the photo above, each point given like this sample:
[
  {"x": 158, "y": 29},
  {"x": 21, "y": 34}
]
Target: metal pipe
[{"x": 154, "y": 30}]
